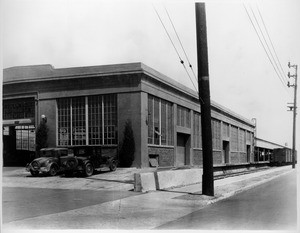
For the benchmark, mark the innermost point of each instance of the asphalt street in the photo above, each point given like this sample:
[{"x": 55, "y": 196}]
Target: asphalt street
[
  {"x": 105, "y": 201},
  {"x": 270, "y": 206},
  {"x": 22, "y": 203}
]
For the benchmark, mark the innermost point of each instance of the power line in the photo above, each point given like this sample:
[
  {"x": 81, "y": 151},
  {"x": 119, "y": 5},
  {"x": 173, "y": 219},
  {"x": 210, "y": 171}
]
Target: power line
[
  {"x": 283, "y": 73},
  {"x": 273, "y": 59},
  {"x": 263, "y": 46},
  {"x": 191, "y": 67},
  {"x": 181, "y": 61}
]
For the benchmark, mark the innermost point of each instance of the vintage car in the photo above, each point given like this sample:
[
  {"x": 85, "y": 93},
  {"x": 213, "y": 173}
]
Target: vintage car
[
  {"x": 89, "y": 159},
  {"x": 50, "y": 161}
]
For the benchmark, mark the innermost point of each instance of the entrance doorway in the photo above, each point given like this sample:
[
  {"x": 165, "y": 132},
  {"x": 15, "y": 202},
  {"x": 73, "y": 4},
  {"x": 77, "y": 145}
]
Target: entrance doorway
[
  {"x": 225, "y": 152},
  {"x": 183, "y": 149},
  {"x": 18, "y": 145},
  {"x": 248, "y": 153}
]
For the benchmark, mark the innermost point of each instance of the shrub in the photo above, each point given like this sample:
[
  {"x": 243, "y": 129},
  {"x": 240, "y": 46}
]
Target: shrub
[
  {"x": 127, "y": 150},
  {"x": 41, "y": 136}
]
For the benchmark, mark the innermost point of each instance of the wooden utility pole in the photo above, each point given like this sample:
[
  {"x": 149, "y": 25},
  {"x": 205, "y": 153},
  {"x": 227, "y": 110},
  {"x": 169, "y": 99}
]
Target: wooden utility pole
[
  {"x": 204, "y": 98},
  {"x": 294, "y": 110}
]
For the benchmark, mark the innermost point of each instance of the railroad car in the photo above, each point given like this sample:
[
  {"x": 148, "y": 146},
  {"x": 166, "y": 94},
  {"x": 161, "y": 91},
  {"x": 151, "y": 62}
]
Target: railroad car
[{"x": 282, "y": 156}]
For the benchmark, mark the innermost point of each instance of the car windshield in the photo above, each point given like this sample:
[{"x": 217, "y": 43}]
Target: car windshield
[
  {"x": 47, "y": 153},
  {"x": 81, "y": 152}
]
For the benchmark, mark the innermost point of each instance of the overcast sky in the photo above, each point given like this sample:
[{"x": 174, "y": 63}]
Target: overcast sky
[{"x": 70, "y": 33}]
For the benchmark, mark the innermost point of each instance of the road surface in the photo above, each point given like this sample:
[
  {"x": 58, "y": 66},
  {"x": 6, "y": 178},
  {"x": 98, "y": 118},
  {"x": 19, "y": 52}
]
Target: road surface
[{"x": 270, "y": 206}]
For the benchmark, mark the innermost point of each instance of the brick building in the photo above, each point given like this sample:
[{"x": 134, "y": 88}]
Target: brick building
[{"x": 90, "y": 106}]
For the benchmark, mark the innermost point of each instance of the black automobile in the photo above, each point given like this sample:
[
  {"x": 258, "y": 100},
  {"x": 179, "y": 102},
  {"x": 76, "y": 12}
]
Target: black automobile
[
  {"x": 50, "y": 161},
  {"x": 91, "y": 158}
]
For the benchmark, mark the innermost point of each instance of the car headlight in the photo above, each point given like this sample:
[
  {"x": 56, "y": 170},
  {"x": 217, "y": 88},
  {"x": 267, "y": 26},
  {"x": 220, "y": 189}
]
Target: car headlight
[{"x": 35, "y": 165}]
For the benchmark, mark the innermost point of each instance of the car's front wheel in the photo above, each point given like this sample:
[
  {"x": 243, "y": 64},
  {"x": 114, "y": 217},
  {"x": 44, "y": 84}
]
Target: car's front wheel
[
  {"x": 88, "y": 169},
  {"x": 34, "y": 173},
  {"x": 113, "y": 166},
  {"x": 53, "y": 170}
]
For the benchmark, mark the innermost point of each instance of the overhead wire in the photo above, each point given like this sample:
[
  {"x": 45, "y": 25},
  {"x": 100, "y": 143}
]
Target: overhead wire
[
  {"x": 271, "y": 42},
  {"x": 181, "y": 61},
  {"x": 190, "y": 65},
  {"x": 266, "y": 43},
  {"x": 264, "y": 47}
]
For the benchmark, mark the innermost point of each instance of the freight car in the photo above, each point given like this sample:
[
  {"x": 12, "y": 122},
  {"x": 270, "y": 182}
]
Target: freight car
[{"x": 282, "y": 156}]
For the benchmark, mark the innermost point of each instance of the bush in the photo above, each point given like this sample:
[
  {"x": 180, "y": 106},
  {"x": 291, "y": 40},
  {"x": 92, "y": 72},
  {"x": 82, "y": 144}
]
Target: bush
[
  {"x": 127, "y": 150},
  {"x": 41, "y": 136}
]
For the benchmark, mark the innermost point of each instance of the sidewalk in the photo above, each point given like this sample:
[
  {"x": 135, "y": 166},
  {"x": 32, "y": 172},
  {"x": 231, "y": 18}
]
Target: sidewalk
[{"x": 148, "y": 210}]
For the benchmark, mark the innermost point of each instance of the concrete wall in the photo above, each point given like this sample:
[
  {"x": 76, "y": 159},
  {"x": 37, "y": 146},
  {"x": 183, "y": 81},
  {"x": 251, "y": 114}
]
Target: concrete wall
[{"x": 150, "y": 181}]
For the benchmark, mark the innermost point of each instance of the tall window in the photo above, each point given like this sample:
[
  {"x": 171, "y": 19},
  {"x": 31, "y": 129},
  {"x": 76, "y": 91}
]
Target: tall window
[
  {"x": 225, "y": 130},
  {"x": 110, "y": 119},
  {"x": 25, "y": 137},
  {"x": 18, "y": 108},
  {"x": 64, "y": 121},
  {"x": 242, "y": 140},
  {"x": 94, "y": 118},
  {"x": 157, "y": 131},
  {"x": 248, "y": 136},
  {"x": 160, "y": 121},
  {"x": 78, "y": 121},
  {"x": 197, "y": 131},
  {"x": 234, "y": 138},
  {"x": 183, "y": 117},
  {"x": 216, "y": 134}
]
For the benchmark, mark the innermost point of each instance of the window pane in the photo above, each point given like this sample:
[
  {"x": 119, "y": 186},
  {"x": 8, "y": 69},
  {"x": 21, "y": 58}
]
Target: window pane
[
  {"x": 216, "y": 134},
  {"x": 183, "y": 117},
  {"x": 110, "y": 119},
  {"x": 95, "y": 120},
  {"x": 197, "y": 131},
  {"x": 64, "y": 119},
  {"x": 170, "y": 124},
  {"x": 156, "y": 121},
  {"x": 163, "y": 122},
  {"x": 234, "y": 138},
  {"x": 78, "y": 121},
  {"x": 150, "y": 120},
  {"x": 242, "y": 141}
]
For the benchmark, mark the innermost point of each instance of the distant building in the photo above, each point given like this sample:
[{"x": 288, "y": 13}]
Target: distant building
[
  {"x": 90, "y": 105},
  {"x": 264, "y": 149}
]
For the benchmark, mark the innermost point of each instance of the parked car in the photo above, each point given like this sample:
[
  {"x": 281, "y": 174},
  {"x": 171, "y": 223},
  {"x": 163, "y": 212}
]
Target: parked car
[
  {"x": 91, "y": 158},
  {"x": 50, "y": 161}
]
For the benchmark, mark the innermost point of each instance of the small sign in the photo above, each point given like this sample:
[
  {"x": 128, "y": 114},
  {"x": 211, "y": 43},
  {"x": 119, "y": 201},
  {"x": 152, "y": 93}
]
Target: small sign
[{"x": 6, "y": 130}]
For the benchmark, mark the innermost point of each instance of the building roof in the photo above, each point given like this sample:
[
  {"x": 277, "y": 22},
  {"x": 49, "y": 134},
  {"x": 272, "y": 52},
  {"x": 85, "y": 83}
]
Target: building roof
[
  {"x": 20, "y": 74},
  {"x": 267, "y": 144}
]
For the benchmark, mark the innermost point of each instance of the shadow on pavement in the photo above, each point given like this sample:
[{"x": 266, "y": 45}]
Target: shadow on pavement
[
  {"x": 174, "y": 191},
  {"x": 117, "y": 181}
]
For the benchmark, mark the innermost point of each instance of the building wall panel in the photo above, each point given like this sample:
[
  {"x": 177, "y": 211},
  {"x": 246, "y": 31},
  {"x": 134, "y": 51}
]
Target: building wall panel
[
  {"x": 217, "y": 157},
  {"x": 165, "y": 155},
  {"x": 198, "y": 157},
  {"x": 234, "y": 157}
]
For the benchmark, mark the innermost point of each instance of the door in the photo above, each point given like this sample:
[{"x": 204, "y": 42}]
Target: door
[
  {"x": 248, "y": 153},
  {"x": 182, "y": 149},
  {"x": 225, "y": 151}
]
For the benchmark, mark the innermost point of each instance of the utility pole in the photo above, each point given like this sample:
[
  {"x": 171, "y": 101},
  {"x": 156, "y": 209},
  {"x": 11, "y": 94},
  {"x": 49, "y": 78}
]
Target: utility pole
[
  {"x": 294, "y": 108},
  {"x": 204, "y": 98}
]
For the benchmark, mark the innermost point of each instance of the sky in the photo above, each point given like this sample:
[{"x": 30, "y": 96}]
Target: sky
[{"x": 71, "y": 33}]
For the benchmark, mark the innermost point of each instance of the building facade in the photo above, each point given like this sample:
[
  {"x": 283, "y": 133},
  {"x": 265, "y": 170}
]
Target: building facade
[
  {"x": 263, "y": 150},
  {"x": 91, "y": 105}
]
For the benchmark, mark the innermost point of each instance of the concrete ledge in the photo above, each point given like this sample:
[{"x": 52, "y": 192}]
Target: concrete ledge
[{"x": 151, "y": 181}]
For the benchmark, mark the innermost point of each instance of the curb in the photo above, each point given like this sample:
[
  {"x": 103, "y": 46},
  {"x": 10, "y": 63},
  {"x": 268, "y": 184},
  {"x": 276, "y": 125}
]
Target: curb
[{"x": 232, "y": 193}]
